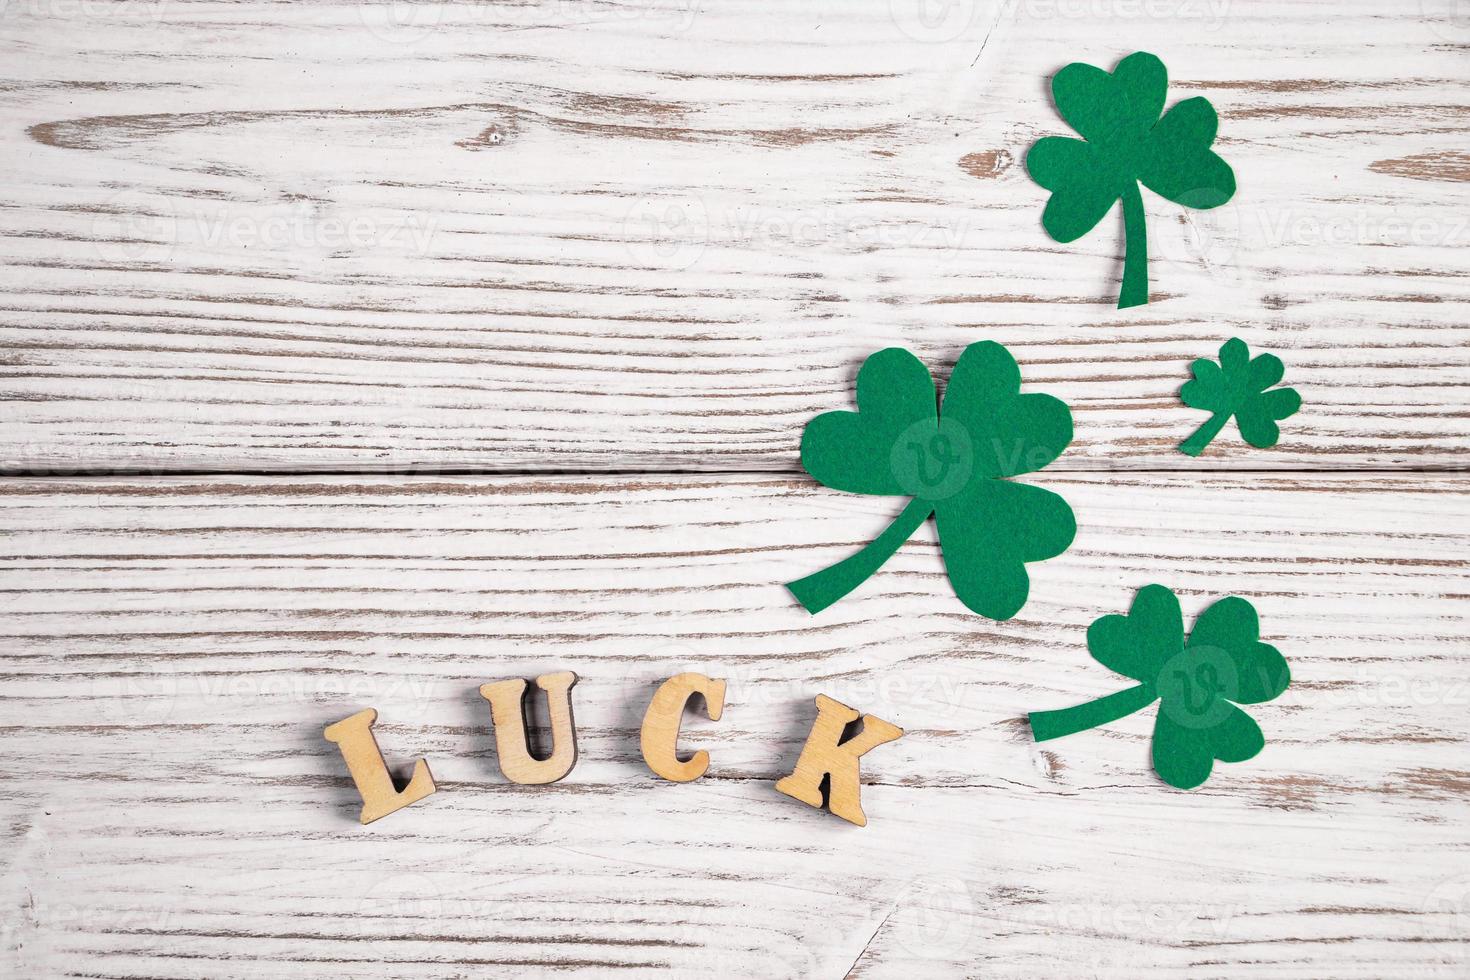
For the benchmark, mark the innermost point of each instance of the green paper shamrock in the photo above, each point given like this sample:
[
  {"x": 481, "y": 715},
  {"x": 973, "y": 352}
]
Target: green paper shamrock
[
  {"x": 1198, "y": 683},
  {"x": 1125, "y": 142},
  {"x": 953, "y": 467},
  {"x": 1237, "y": 386}
]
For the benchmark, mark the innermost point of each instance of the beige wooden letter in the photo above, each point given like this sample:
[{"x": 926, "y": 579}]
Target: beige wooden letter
[
  {"x": 354, "y": 736},
  {"x": 825, "y": 754},
  {"x": 511, "y": 719},
  {"x": 660, "y": 735}
]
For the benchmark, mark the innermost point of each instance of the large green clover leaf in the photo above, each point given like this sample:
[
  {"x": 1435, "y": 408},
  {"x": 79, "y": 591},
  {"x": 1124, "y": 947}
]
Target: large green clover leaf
[
  {"x": 1238, "y": 386},
  {"x": 1199, "y": 682},
  {"x": 1125, "y": 142},
  {"x": 954, "y": 467}
]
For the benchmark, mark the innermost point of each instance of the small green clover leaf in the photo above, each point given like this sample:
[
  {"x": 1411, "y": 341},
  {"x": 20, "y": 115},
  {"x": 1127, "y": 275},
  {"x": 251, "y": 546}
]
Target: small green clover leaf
[
  {"x": 954, "y": 467},
  {"x": 1237, "y": 386},
  {"x": 1198, "y": 683},
  {"x": 1124, "y": 142}
]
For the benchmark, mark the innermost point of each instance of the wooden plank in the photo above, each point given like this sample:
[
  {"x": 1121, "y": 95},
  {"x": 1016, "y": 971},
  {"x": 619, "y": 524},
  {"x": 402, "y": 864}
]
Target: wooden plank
[
  {"x": 661, "y": 234},
  {"x": 172, "y": 648}
]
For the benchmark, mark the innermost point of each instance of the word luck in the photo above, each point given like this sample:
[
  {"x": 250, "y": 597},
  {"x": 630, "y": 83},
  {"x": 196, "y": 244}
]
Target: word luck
[{"x": 828, "y": 756}]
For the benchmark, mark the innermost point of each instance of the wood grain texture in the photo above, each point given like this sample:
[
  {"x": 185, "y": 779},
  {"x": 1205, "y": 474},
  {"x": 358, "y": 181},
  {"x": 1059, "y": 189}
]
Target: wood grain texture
[
  {"x": 648, "y": 236},
  {"x": 661, "y": 234},
  {"x": 172, "y": 647}
]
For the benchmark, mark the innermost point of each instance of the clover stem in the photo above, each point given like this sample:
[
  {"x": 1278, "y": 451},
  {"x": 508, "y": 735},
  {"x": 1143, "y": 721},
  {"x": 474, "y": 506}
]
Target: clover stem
[
  {"x": 819, "y": 590},
  {"x": 1047, "y": 725},
  {"x": 1204, "y": 435},
  {"x": 1135, "y": 250}
]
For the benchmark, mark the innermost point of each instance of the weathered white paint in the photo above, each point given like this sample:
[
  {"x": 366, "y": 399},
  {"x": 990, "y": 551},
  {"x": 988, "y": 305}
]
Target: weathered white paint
[
  {"x": 172, "y": 648},
  {"x": 657, "y": 235},
  {"x": 662, "y": 234}
]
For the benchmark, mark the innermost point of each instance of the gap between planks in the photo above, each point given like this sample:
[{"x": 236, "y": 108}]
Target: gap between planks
[{"x": 415, "y": 472}]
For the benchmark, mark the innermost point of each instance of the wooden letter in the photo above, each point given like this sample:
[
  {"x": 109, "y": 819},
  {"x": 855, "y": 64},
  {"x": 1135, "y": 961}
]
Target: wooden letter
[
  {"x": 826, "y": 754},
  {"x": 354, "y": 736},
  {"x": 660, "y": 735},
  {"x": 511, "y": 719}
]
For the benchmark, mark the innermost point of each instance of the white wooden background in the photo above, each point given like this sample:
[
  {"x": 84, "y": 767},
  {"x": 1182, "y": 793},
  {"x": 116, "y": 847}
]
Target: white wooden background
[{"x": 312, "y": 313}]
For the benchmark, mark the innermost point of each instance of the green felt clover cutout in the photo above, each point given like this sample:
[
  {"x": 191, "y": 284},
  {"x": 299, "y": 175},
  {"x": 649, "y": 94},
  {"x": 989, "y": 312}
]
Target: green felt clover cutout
[
  {"x": 1125, "y": 142},
  {"x": 1198, "y": 683},
  {"x": 1238, "y": 386},
  {"x": 953, "y": 466}
]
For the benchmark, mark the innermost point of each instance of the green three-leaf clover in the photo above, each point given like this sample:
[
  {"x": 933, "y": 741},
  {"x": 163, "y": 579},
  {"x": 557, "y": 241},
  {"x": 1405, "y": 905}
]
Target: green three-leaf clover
[
  {"x": 1199, "y": 683},
  {"x": 1125, "y": 142},
  {"x": 953, "y": 466},
  {"x": 1238, "y": 386}
]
